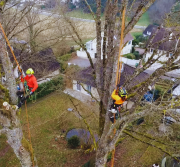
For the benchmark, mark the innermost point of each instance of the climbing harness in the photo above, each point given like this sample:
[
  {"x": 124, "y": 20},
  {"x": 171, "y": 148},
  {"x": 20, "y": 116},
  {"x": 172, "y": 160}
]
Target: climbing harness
[
  {"x": 27, "y": 117},
  {"x": 32, "y": 97}
]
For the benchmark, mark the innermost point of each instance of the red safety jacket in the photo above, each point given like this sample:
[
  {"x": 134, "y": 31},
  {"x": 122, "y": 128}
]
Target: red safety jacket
[{"x": 31, "y": 82}]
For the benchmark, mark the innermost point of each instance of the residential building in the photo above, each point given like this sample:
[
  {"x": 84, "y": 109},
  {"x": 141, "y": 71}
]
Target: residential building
[
  {"x": 149, "y": 29},
  {"x": 43, "y": 63},
  {"x": 84, "y": 79},
  {"x": 91, "y": 47},
  {"x": 164, "y": 41}
]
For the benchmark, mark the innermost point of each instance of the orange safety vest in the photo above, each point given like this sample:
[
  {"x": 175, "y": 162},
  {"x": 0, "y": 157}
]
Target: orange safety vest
[{"x": 117, "y": 98}]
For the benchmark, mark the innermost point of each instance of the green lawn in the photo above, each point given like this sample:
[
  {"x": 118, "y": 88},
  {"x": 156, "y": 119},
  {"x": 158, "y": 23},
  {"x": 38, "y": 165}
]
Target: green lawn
[
  {"x": 144, "y": 20},
  {"x": 48, "y": 117},
  {"x": 80, "y": 14},
  {"x": 135, "y": 34}
]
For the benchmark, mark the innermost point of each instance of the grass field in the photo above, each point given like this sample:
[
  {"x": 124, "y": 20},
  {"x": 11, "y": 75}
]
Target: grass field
[
  {"x": 80, "y": 14},
  {"x": 48, "y": 117},
  {"x": 144, "y": 20},
  {"x": 135, "y": 34}
]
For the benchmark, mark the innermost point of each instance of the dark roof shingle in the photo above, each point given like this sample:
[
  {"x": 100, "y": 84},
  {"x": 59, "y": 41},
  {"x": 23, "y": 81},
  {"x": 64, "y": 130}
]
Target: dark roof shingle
[
  {"x": 86, "y": 76},
  {"x": 43, "y": 63},
  {"x": 150, "y": 28},
  {"x": 167, "y": 34}
]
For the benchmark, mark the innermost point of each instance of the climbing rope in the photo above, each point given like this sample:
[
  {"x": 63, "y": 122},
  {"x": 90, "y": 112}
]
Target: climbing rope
[
  {"x": 27, "y": 117},
  {"x": 119, "y": 66}
]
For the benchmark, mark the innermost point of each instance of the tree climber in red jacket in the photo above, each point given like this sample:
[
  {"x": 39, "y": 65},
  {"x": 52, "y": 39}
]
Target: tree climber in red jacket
[{"x": 31, "y": 86}]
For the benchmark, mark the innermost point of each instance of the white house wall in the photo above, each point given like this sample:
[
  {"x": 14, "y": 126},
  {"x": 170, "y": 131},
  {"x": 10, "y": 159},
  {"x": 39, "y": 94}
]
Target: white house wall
[
  {"x": 127, "y": 49},
  {"x": 163, "y": 57},
  {"x": 130, "y": 62},
  {"x": 83, "y": 54},
  {"x": 93, "y": 89},
  {"x": 92, "y": 49}
]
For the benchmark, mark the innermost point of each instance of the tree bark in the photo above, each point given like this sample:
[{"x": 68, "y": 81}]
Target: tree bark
[
  {"x": 12, "y": 130},
  {"x": 8, "y": 67}
]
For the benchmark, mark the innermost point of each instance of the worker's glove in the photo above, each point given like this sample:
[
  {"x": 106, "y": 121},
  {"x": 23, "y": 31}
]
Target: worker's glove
[{"x": 31, "y": 93}]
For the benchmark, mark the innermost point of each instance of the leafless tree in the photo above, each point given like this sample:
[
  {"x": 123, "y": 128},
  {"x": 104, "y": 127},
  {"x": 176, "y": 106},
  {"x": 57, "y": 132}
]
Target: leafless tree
[{"x": 104, "y": 69}]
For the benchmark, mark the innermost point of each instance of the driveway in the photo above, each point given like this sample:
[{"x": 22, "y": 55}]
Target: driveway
[{"x": 81, "y": 62}]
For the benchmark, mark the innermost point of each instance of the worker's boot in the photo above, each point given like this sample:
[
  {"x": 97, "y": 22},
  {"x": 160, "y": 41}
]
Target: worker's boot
[{"x": 20, "y": 94}]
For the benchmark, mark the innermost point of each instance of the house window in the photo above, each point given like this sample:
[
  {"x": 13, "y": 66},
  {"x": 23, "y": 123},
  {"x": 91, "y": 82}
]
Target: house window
[
  {"x": 129, "y": 42},
  {"x": 88, "y": 46},
  {"x": 89, "y": 89},
  {"x": 95, "y": 55},
  {"x": 78, "y": 86}
]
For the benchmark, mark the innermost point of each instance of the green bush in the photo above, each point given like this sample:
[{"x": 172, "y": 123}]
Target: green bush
[
  {"x": 63, "y": 66},
  {"x": 129, "y": 56},
  {"x": 133, "y": 50},
  {"x": 135, "y": 42},
  {"x": 136, "y": 54},
  {"x": 141, "y": 38},
  {"x": 50, "y": 86},
  {"x": 65, "y": 57},
  {"x": 74, "y": 142}
]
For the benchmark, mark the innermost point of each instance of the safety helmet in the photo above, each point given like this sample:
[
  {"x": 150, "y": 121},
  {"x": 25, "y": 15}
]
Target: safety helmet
[
  {"x": 122, "y": 92},
  {"x": 30, "y": 71}
]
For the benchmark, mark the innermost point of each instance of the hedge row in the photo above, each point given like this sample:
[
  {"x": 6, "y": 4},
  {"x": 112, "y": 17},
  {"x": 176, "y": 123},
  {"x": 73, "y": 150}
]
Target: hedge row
[{"x": 50, "y": 86}]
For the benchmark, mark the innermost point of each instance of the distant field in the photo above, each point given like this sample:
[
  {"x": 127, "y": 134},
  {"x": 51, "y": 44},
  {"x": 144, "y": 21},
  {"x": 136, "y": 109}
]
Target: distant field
[
  {"x": 80, "y": 14},
  {"x": 135, "y": 34},
  {"x": 144, "y": 20}
]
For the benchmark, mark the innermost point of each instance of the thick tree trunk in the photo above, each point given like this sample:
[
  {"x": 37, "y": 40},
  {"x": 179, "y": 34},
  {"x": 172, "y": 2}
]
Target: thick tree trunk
[
  {"x": 101, "y": 157},
  {"x": 14, "y": 137},
  {"x": 8, "y": 67},
  {"x": 102, "y": 114},
  {"x": 12, "y": 130}
]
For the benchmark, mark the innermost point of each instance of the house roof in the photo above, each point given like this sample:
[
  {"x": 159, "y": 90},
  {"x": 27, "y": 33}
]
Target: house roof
[
  {"x": 86, "y": 76},
  {"x": 128, "y": 37},
  {"x": 164, "y": 33},
  {"x": 150, "y": 28},
  {"x": 140, "y": 50},
  {"x": 43, "y": 63}
]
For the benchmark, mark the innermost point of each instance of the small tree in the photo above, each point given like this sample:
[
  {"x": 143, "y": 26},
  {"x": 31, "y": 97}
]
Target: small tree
[
  {"x": 74, "y": 142},
  {"x": 136, "y": 53}
]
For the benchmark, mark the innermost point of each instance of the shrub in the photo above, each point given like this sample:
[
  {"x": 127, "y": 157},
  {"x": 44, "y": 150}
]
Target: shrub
[
  {"x": 136, "y": 54},
  {"x": 65, "y": 57},
  {"x": 74, "y": 142},
  {"x": 129, "y": 56},
  {"x": 63, "y": 66},
  {"x": 135, "y": 42},
  {"x": 49, "y": 87},
  {"x": 133, "y": 50}
]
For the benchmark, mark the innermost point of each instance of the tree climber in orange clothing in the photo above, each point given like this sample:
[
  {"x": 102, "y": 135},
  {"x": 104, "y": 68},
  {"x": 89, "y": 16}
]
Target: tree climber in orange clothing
[
  {"x": 119, "y": 96},
  {"x": 31, "y": 86}
]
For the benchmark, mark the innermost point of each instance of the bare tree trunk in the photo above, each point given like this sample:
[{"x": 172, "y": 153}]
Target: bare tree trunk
[
  {"x": 8, "y": 67},
  {"x": 12, "y": 130}
]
